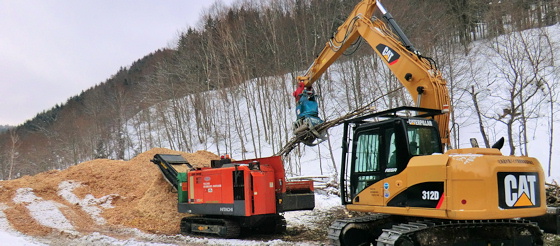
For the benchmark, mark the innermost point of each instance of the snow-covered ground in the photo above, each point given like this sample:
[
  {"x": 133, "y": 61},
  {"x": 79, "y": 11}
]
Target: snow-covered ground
[
  {"x": 9, "y": 236},
  {"x": 13, "y": 238},
  {"x": 48, "y": 214}
]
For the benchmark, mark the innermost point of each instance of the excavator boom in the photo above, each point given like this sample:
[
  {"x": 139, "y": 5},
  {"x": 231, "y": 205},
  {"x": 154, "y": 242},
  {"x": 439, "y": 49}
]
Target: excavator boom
[{"x": 418, "y": 74}]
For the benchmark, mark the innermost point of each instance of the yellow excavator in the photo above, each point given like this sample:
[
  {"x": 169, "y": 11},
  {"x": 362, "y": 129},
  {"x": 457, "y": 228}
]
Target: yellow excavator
[{"x": 394, "y": 163}]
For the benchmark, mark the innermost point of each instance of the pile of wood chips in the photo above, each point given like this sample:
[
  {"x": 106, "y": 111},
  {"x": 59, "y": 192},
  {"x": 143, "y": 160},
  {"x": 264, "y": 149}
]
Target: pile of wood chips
[{"x": 141, "y": 198}]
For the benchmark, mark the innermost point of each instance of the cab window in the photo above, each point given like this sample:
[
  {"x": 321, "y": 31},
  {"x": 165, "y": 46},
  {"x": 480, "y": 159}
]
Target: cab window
[
  {"x": 376, "y": 157},
  {"x": 423, "y": 140},
  {"x": 367, "y": 158}
]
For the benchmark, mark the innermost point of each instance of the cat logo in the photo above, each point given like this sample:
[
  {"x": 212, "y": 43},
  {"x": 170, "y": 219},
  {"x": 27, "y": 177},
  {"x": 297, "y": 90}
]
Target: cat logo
[
  {"x": 390, "y": 55},
  {"x": 518, "y": 190}
]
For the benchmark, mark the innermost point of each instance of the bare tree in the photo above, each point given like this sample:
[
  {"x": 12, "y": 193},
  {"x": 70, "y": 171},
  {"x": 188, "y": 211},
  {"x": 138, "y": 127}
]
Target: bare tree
[
  {"x": 13, "y": 151},
  {"x": 519, "y": 62},
  {"x": 474, "y": 95}
]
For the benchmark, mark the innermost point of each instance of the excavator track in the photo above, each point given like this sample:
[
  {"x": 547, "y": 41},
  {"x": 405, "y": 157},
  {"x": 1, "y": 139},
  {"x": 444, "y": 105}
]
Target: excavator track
[
  {"x": 358, "y": 230},
  {"x": 387, "y": 230},
  {"x": 475, "y": 232}
]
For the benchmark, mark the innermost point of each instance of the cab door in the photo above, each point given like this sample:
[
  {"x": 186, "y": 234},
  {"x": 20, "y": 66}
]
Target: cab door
[{"x": 377, "y": 153}]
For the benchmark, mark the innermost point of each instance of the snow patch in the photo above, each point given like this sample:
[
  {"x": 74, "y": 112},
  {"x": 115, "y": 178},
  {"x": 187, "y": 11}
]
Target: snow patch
[
  {"x": 47, "y": 213},
  {"x": 465, "y": 158},
  {"x": 98, "y": 239},
  {"x": 239, "y": 242},
  {"x": 89, "y": 204},
  {"x": 16, "y": 239},
  {"x": 4, "y": 224},
  {"x": 308, "y": 219},
  {"x": 139, "y": 238},
  {"x": 10, "y": 236}
]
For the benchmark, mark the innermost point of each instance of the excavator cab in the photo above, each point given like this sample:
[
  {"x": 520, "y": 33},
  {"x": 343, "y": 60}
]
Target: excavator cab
[{"x": 380, "y": 149}]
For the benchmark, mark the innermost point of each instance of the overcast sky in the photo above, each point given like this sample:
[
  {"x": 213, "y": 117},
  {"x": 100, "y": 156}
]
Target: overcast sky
[{"x": 52, "y": 50}]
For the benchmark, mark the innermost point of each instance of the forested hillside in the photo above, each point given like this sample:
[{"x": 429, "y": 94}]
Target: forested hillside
[{"x": 226, "y": 85}]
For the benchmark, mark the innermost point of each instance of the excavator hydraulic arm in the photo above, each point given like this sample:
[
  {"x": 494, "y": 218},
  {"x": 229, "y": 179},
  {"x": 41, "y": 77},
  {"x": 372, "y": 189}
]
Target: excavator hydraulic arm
[{"x": 418, "y": 74}]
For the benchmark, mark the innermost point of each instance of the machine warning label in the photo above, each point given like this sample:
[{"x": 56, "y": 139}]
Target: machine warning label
[{"x": 518, "y": 190}]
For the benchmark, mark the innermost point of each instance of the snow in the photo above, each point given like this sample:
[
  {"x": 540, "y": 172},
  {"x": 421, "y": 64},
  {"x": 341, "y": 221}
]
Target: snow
[
  {"x": 47, "y": 213},
  {"x": 323, "y": 203},
  {"x": 9, "y": 236},
  {"x": 97, "y": 238},
  {"x": 492, "y": 72},
  {"x": 17, "y": 239},
  {"x": 465, "y": 158},
  {"x": 89, "y": 204}
]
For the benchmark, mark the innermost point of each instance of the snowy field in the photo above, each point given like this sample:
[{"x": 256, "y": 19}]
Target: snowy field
[{"x": 48, "y": 214}]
